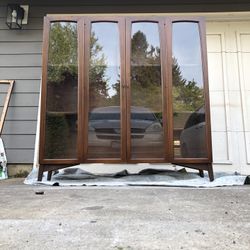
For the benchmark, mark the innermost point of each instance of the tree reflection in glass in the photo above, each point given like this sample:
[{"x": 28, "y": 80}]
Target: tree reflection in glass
[
  {"x": 146, "y": 92},
  {"x": 188, "y": 93},
  {"x": 61, "y": 105}
]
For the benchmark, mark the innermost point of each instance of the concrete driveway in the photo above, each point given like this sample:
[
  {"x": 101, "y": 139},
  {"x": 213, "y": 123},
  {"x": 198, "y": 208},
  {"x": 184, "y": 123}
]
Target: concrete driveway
[{"x": 123, "y": 218}]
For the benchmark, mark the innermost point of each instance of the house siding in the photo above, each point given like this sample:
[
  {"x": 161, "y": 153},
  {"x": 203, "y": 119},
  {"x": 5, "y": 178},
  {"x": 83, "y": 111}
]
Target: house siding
[{"x": 20, "y": 60}]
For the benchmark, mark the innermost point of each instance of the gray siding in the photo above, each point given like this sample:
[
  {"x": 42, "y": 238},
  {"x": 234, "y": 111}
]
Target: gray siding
[
  {"x": 20, "y": 57},
  {"x": 20, "y": 60}
]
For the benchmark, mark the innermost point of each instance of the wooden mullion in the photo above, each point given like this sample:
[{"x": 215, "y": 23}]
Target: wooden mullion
[
  {"x": 164, "y": 82},
  {"x": 169, "y": 89},
  {"x": 128, "y": 86},
  {"x": 87, "y": 31},
  {"x": 123, "y": 97},
  {"x": 81, "y": 104}
]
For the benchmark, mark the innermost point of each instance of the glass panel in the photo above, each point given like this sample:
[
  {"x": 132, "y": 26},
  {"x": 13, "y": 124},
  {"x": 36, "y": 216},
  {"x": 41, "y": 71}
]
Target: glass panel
[
  {"x": 61, "y": 109},
  {"x": 104, "y": 133},
  {"x": 146, "y": 92},
  {"x": 188, "y": 92}
]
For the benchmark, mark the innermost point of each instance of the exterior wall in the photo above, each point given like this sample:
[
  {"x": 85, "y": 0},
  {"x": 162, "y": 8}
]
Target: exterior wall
[
  {"x": 229, "y": 79},
  {"x": 228, "y": 57},
  {"x": 20, "y": 59}
]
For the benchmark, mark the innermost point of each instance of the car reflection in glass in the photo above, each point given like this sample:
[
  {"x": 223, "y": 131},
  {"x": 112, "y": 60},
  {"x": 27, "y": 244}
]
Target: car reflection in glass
[
  {"x": 193, "y": 136},
  {"x": 105, "y": 127}
]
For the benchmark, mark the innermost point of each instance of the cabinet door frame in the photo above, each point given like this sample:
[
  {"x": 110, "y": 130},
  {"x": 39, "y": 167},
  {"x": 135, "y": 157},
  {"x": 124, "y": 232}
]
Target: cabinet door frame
[
  {"x": 121, "y": 29},
  {"x": 46, "y": 36},
  {"x": 160, "y": 21},
  {"x": 202, "y": 35}
]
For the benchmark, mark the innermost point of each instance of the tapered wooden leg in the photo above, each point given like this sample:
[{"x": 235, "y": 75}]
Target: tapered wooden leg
[
  {"x": 40, "y": 173},
  {"x": 201, "y": 167},
  {"x": 49, "y": 175},
  {"x": 210, "y": 172},
  {"x": 201, "y": 172}
]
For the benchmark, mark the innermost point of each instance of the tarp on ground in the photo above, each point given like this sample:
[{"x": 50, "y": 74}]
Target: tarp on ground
[{"x": 75, "y": 176}]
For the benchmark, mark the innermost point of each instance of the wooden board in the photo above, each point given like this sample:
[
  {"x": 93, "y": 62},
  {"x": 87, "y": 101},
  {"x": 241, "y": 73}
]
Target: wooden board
[{"x": 6, "y": 102}]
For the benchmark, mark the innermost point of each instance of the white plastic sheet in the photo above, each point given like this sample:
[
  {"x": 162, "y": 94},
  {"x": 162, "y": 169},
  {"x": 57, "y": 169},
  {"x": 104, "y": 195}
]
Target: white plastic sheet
[
  {"x": 3, "y": 162},
  {"x": 149, "y": 177}
]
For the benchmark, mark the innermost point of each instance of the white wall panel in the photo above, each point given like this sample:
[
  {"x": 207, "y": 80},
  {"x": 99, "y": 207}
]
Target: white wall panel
[
  {"x": 215, "y": 71},
  {"x": 214, "y": 43},
  {"x": 247, "y": 136},
  {"x": 232, "y": 71},
  {"x": 245, "y": 42},
  {"x": 218, "y": 112},
  {"x": 220, "y": 148},
  {"x": 243, "y": 39},
  {"x": 247, "y": 117},
  {"x": 219, "y": 100},
  {"x": 246, "y": 68},
  {"x": 229, "y": 81},
  {"x": 236, "y": 118}
]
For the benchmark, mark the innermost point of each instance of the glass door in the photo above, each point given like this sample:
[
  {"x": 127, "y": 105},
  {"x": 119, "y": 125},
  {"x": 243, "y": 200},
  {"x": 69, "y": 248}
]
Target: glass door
[
  {"x": 105, "y": 116},
  {"x": 191, "y": 141},
  {"x": 59, "y": 142},
  {"x": 146, "y": 97},
  {"x": 125, "y": 109}
]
